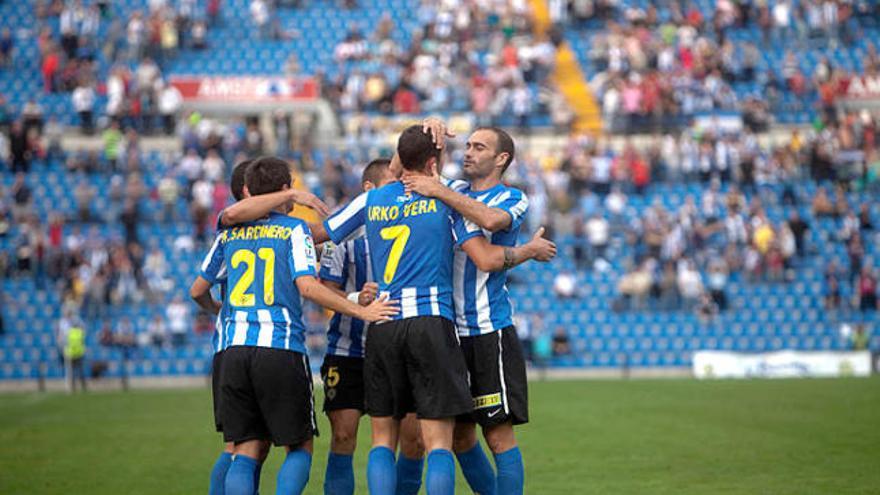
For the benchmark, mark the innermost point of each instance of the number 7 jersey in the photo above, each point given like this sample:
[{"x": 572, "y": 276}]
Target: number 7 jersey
[
  {"x": 261, "y": 261},
  {"x": 411, "y": 239}
]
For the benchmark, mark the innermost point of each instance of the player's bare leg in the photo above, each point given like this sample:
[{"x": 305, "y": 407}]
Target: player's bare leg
[
  {"x": 410, "y": 456},
  {"x": 339, "y": 475},
  {"x": 344, "y": 424},
  {"x": 381, "y": 473},
  {"x": 294, "y": 473},
  {"x": 508, "y": 459}
]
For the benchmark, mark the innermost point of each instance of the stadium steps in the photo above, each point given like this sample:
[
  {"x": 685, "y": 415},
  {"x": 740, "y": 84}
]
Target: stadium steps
[{"x": 573, "y": 84}]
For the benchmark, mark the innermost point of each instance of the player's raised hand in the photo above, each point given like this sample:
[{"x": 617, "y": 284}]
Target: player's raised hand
[
  {"x": 429, "y": 186},
  {"x": 381, "y": 309},
  {"x": 368, "y": 293},
  {"x": 543, "y": 249},
  {"x": 306, "y": 198},
  {"x": 438, "y": 131}
]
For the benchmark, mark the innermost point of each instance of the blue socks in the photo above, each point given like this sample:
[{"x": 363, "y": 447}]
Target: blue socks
[
  {"x": 381, "y": 473},
  {"x": 440, "y": 479},
  {"x": 257, "y": 478},
  {"x": 477, "y": 470},
  {"x": 409, "y": 475},
  {"x": 294, "y": 472},
  {"x": 339, "y": 479},
  {"x": 218, "y": 474},
  {"x": 240, "y": 476},
  {"x": 511, "y": 474}
]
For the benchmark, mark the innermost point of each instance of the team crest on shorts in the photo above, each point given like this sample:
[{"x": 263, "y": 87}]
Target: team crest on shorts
[{"x": 331, "y": 394}]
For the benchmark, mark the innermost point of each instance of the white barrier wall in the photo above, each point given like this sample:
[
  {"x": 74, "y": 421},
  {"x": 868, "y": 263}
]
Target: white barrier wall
[{"x": 782, "y": 364}]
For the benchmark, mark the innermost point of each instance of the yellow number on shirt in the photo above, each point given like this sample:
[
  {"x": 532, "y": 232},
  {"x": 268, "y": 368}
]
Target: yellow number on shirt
[
  {"x": 268, "y": 255},
  {"x": 400, "y": 234},
  {"x": 239, "y": 295}
]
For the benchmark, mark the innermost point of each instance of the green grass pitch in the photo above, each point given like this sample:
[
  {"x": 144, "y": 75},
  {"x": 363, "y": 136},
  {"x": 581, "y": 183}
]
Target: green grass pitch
[{"x": 586, "y": 437}]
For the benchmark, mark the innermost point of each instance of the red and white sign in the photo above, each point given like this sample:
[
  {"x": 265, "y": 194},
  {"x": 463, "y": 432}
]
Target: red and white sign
[
  {"x": 864, "y": 87},
  {"x": 246, "y": 89}
]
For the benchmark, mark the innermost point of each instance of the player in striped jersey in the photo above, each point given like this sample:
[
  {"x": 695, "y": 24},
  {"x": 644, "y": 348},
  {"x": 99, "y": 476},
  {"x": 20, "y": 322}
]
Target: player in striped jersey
[
  {"x": 265, "y": 379},
  {"x": 413, "y": 362},
  {"x": 346, "y": 268},
  {"x": 484, "y": 313},
  {"x": 253, "y": 208}
]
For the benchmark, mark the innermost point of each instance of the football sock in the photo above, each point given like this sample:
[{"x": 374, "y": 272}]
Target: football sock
[
  {"x": 381, "y": 474},
  {"x": 339, "y": 478},
  {"x": 240, "y": 476},
  {"x": 409, "y": 475},
  {"x": 440, "y": 479},
  {"x": 257, "y": 478},
  {"x": 294, "y": 473},
  {"x": 218, "y": 474},
  {"x": 511, "y": 474},
  {"x": 477, "y": 470}
]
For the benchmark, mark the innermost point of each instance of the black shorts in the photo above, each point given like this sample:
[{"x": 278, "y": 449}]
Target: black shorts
[
  {"x": 497, "y": 370},
  {"x": 415, "y": 365},
  {"x": 266, "y": 394},
  {"x": 343, "y": 383},
  {"x": 215, "y": 389}
]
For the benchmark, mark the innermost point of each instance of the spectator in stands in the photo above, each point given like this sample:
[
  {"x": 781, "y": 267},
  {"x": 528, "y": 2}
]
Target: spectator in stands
[
  {"x": 156, "y": 274},
  {"x": 168, "y": 191},
  {"x": 259, "y": 10},
  {"x": 7, "y": 44},
  {"x": 866, "y": 285},
  {"x": 21, "y": 195},
  {"x": 170, "y": 101},
  {"x": 561, "y": 343},
  {"x": 690, "y": 283},
  {"x": 866, "y": 224},
  {"x": 157, "y": 332},
  {"x": 718, "y": 277},
  {"x": 565, "y": 285},
  {"x": 635, "y": 286},
  {"x": 20, "y": 148},
  {"x": 707, "y": 309},
  {"x": 598, "y": 235},
  {"x": 84, "y": 194},
  {"x": 799, "y": 228},
  {"x": 856, "y": 252},
  {"x": 178, "y": 317}
]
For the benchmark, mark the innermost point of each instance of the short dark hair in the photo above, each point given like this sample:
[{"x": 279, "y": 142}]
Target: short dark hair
[
  {"x": 267, "y": 174},
  {"x": 504, "y": 144},
  {"x": 374, "y": 170},
  {"x": 236, "y": 183},
  {"x": 415, "y": 148}
]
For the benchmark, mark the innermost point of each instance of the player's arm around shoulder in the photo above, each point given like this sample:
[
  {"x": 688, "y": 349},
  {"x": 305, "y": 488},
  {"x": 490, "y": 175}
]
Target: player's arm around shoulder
[{"x": 489, "y": 257}]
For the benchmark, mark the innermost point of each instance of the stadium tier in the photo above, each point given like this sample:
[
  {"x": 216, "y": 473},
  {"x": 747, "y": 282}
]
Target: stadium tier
[
  {"x": 780, "y": 58},
  {"x": 762, "y": 316}
]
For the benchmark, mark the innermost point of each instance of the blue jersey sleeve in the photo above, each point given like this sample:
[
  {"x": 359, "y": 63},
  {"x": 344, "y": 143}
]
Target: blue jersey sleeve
[
  {"x": 347, "y": 223},
  {"x": 516, "y": 203},
  {"x": 302, "y": 252},
  {"x": 213, "y": 268},
  {"x": 333, "y": 266},
  {"x": 463, "y": 230}
]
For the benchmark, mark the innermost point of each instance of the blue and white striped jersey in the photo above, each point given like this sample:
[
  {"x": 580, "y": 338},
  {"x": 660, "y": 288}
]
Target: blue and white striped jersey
[
  {"x": 482, "y": 303},
  {"x": 347, "y": 264},
  {"x": 253, "y": 256},
  {"x": 411, "y": 240}
]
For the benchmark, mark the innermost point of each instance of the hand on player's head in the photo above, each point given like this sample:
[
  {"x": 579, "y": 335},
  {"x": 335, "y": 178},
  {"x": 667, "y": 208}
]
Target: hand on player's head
[
  {"x": 438, "y": 131},
  {"x": 545, "y": 248},
  {"x": 381, "y": 309}
]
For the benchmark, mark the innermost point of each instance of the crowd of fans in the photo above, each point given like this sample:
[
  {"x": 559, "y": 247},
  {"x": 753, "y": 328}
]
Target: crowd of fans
[
  {"x": 481, "y": 56},
  {"x": 655, "y": 73}
]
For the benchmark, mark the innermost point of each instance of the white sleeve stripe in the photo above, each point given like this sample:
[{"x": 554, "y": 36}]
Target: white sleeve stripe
[
  {"x": 336, "y": 221},
  {"x": 207, "y": 261},
  {"x": 520, "y": 208},
  {"x": 301, "y": 259}
]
